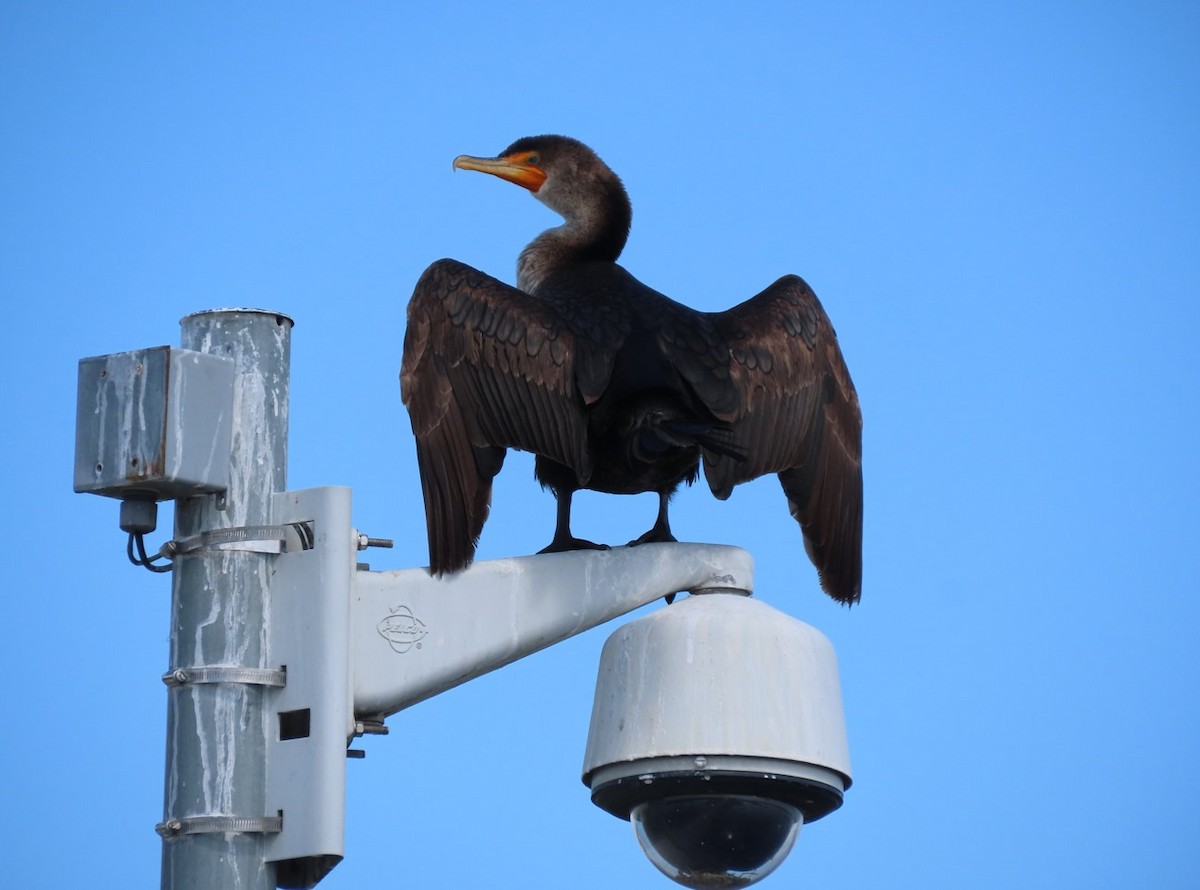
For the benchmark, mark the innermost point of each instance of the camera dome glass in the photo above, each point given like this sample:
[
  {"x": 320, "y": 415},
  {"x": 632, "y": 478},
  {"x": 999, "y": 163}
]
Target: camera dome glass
[{"x": 710, "y": 841}]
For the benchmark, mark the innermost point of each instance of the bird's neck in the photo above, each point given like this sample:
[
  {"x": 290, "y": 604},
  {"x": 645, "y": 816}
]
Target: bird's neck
[{"x": 595, "y": 234}]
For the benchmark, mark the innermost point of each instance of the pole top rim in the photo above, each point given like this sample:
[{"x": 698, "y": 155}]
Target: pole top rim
[{"x": 280, "y": 317}]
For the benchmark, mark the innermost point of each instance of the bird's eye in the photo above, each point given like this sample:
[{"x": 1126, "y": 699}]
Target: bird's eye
[{"x": 533, "y": 160}]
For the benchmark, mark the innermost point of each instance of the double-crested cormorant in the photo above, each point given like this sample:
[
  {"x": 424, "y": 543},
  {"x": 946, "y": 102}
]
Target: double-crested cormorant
[{"x": 616, "y": 388}]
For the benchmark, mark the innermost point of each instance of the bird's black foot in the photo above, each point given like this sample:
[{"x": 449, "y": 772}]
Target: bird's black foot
[
  {"x": 568, "y": 543},
  {"x": 656, "y": 535}
]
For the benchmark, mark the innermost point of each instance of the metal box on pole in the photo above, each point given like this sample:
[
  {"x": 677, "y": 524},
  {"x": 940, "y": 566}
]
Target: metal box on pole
[{"x": 131, "y": 413}]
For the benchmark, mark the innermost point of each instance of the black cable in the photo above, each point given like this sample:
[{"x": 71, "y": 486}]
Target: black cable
[{"x": 142, "y": 559}]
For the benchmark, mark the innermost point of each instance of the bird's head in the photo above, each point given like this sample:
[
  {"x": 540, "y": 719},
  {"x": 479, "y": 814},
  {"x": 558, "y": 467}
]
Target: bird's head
[{"x": 565, "y": 175}]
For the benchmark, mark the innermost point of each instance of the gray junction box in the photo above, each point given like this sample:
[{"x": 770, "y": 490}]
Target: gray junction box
[{"x": 131, "y": 415}]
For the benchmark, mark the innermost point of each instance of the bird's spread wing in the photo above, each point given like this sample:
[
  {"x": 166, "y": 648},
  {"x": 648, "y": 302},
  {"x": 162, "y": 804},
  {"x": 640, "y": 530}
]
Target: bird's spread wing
[
  {"x": 486, "y": 367},
  {"x": 798, "y": 417}
]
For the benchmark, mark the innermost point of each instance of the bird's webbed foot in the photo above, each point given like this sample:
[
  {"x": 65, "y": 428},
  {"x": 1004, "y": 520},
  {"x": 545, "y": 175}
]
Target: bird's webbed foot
[
  {"x": 657, "y": 535},
  {"x": 565, "y": 543}
]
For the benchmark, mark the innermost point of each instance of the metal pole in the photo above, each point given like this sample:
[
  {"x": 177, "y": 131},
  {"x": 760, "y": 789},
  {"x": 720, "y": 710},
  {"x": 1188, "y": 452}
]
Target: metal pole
[{"x": 215, "y": 827}]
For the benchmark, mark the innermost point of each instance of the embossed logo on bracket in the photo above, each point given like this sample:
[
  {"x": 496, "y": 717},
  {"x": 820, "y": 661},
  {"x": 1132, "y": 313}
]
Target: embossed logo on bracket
[{"x": 402, "y": 629}]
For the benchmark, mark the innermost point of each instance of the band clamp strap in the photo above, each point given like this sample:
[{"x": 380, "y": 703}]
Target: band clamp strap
[
  {"x": 219, "y": 825},
  {"x": 252, "y": 538},
  {"x": 255, "y": 538},
  {"x": 224, "y": 674}
]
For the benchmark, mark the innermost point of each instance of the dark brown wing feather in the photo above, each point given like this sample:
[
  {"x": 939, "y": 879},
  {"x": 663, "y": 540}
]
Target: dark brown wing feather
[
  {"x": 486, "y": 367},
  {"x": 798, "y": 417}
]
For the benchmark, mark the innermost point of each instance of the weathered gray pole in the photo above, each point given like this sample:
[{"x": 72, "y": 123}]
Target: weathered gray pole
[{"x": 215, "y": 826}]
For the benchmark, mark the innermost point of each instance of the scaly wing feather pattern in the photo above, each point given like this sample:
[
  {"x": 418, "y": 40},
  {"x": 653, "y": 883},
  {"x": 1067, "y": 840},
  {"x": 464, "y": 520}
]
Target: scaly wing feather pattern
[
  {"x": 694, "y": 344},
  {"x": 799, "y": 417},
  {"x": 486, "y": 367}
]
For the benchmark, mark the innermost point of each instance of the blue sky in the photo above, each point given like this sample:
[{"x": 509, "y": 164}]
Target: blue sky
[{"x": 998, "y": 205}]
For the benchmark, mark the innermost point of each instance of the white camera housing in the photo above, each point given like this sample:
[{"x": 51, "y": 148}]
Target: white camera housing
[{"x": 717, "y": 729}]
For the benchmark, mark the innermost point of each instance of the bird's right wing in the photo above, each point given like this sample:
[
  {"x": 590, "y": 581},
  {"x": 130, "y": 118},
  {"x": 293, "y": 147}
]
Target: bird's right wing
[{"x": 486, "y": 367}]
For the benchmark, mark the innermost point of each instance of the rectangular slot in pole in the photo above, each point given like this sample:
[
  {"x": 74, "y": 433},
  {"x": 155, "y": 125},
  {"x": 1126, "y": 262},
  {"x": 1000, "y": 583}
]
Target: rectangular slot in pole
[{"x": 295, "y": 724}]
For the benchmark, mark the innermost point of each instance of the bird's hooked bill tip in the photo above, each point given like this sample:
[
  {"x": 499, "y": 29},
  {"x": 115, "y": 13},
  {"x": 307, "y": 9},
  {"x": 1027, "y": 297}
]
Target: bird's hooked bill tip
[{"x": 484, "y": 165}]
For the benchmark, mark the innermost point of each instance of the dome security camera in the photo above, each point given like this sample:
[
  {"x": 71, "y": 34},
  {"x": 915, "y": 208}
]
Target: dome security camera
[{"x": 717, "y": 730}]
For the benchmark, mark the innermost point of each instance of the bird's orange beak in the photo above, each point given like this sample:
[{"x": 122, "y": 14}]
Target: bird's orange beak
[{"x": 514, "y": 168}]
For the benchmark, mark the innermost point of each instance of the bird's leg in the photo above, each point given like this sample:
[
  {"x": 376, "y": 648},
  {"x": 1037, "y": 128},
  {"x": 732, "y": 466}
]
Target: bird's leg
[
  {"x": 660, "y": 533},
  {"x": 563, "y": 539}
]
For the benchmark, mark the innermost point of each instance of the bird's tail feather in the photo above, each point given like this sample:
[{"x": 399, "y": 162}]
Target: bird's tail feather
[{"x": 710, "y": 437}]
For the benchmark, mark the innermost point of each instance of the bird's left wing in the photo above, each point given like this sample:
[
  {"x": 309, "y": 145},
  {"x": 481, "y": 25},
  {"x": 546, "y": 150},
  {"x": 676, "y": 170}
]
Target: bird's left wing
[
  {"x": 486, "y": 367},
  {"x": 798, "y": 416}
]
